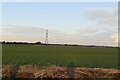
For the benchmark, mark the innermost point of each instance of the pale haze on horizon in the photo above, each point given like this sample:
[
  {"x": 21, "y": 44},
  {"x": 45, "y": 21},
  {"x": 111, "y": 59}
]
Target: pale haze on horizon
[{"x": 85, "y": 23}]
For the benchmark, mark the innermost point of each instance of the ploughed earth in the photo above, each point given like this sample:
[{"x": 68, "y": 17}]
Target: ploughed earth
[{"x": 13, "y": 71}]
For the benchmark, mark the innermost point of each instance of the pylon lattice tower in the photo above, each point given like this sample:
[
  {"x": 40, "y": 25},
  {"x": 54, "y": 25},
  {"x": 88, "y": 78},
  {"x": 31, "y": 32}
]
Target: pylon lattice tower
[{"x": 46, "y": 38}]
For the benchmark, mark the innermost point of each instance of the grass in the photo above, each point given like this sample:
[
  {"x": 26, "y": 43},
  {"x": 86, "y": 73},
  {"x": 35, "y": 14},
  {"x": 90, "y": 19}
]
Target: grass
[{"x": 57, "y": 55}]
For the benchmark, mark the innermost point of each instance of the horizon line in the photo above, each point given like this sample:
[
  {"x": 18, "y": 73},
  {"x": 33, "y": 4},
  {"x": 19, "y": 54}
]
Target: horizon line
[{"x": 58, "y": 43}]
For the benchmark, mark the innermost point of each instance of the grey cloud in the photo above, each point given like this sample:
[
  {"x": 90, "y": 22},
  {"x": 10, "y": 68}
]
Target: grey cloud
[
  {"x": 96, "y": 35},
  {"x": 26, "y": 30},
  {"x": 103, "y": 16},
  {"x": 30, "y": 33},
  {"x": 93, "y": 31}
]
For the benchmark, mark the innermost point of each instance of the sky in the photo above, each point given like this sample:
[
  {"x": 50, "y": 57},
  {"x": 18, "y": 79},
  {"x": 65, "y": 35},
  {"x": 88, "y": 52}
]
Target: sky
[
  {"x": 85, "y": 23},
  {"x": 59, "y": 0}
]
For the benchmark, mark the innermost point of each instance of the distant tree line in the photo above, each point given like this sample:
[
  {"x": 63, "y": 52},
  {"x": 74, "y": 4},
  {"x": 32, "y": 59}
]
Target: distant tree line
[
  {"x": 6, "y": 42},
  {"x": 40, "y": 43}
]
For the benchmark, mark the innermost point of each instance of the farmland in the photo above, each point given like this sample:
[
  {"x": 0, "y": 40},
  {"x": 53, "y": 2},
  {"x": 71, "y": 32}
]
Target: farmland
[{"x": 95, "y": 57}]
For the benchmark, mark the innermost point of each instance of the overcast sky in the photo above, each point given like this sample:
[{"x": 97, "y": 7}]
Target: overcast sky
[{"x": 86, "y": 23}]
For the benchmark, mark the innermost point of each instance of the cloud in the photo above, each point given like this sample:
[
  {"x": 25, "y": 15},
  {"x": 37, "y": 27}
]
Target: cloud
[
  {"x": 84, "y": 36},
  {"x": 23, "y": 33},
  {"x": 103, "y": 16},
  {"x": 32, "y": 34},
  {"x": 22, "y": 30},
  {"x": 93, "y": 31},
  {"x": 96, "y": 35},
  {"x": 116, "y": 37}
]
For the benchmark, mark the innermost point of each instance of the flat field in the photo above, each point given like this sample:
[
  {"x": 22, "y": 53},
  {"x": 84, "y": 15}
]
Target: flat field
[{"x": 96, "y": 57}]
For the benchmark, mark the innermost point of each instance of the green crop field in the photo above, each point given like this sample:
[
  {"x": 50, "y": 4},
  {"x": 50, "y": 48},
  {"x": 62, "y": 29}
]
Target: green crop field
[{"x": 58, "y": 55}]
